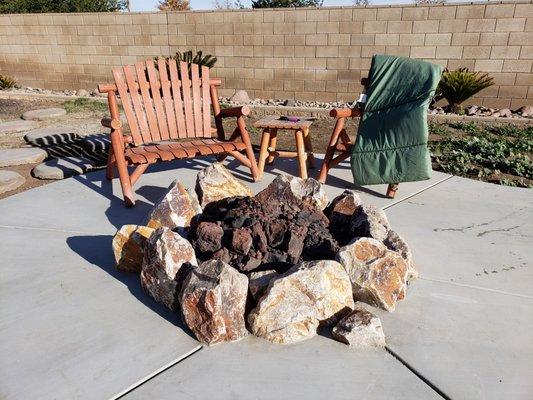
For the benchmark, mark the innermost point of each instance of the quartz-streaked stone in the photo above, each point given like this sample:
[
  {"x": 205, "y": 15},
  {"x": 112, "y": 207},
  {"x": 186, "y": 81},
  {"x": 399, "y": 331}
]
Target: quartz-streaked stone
[
  {"x": 370, "y": 221},
  {"x": 213, "y": 300},
  {"x": 259, "y": 281},
  {"x": 175, "y": 209},
  {"x": 168, "y": 257},
  {"x": 215, "y": 182},
  {"x": 18, "y": 125},
  {"x": 128, "y": 247},
  {"x": 360, "y": 329},
  {"x": 24, "y": 155},
  {"x": 378, "y": 275},
  {"x": 285, "y": 186},
  {"x": 61, "y": 168},
  {"x": 297, "y": 302},
  {"x": 10, "y": 180},
  {"x": 43, "y": 114},
  {"x": 396, "y": 243}
]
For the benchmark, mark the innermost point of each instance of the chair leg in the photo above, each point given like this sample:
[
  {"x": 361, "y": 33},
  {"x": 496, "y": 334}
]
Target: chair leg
[
  {"x": 272, "y": 144},
  {"x": 391, "y": 190},
  {"x": 330, "y": 151},
  {"x": 122, "y": 167},
  {"x": 302, "y": 155},
  {"x": 110, "y": 173},
  {"x": 263, "y": 152},
  {"x": 249, "y": 150}
]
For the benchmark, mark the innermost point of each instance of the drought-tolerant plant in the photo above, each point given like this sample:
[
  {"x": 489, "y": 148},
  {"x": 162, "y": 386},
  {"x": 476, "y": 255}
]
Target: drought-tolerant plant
[
  {"x": 83, "y": 104},
  {"x": 208, "y": 60},
  {"x": 459, "y": 85},
  {"x": 174, "y": 5},
  {"x": 6, "y": 82}
]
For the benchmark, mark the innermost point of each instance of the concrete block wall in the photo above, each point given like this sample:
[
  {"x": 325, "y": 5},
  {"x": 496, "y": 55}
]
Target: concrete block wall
[{"x": 307, "y": 54}]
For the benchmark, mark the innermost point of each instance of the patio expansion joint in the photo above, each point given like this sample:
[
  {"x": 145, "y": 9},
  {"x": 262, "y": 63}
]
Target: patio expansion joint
[
  {"x": 418, "y": 192},
  {"x": 524, "y": 296},
  {"x": 33, "y": 228},
  {"x": 418, "y": 374},
  {"x": 158, "y": 371}
]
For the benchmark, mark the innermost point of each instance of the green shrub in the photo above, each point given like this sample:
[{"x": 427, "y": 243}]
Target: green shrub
[
  {"x": 6, "y": 82},
  {"x": 459, "y": 85},
  {"x": 208, "y": 60},
  {"x": 83, "y": 104}
]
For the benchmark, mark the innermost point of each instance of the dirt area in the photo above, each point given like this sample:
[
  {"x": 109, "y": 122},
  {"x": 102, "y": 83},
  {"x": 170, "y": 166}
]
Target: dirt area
[{"x": 84, "y": 118}]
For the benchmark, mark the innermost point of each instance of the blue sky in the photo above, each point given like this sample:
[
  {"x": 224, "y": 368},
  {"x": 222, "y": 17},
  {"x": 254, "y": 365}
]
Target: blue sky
[{"x": 149, "y": 5}]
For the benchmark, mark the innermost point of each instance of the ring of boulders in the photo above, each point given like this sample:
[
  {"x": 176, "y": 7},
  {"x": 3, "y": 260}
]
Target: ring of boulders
[{"x": 281, "y": 264}]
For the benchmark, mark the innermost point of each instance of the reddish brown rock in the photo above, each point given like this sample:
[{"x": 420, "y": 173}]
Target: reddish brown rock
[
  {"x": 175, "y": 210},
  {"x": 128, "y": 247},
  {"x": 286, "y": 187},
  {"x": 209, "y": 237},
  {"x": 378, "y": 275},
  {"x": 259, "y": 282},
  {"x": 215, "y": 182},
  {"x": 213, "y": 300},
  {"x": 297, "y": 302},
  {"x": 168, "y": 257},
  {"x": 360, "y": 329},
  {"x": 340, "y": 213}
]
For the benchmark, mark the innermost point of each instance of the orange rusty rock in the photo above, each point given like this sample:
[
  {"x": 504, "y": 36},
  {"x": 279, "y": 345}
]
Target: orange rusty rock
[{"x": 128, "y": 247}]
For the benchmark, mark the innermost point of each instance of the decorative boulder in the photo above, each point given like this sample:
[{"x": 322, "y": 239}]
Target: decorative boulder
[
  {"x": 168, "y": 257},
  {"x": 128, "y": 246},
  {"x": 396, "y": 243},
  {"x": 295, "y": 303},
  {"x": 215, "y": 182},
  {"x": 175, "y": 210},
  {"x": 213, "y": 301},
  {"x": 240, "y": 97},
  {"x": 284, "y": 187},
  {"x": 340, "y": 213},
  {"x": 259, "y": 282},
  {"x": 370, "y": 221},
  {"x": 378, "y": 275},
  {"x": 360, "y": 329}
]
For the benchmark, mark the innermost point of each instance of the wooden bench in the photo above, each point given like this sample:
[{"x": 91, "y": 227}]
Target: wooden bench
[{"x": 168, "y": 110}]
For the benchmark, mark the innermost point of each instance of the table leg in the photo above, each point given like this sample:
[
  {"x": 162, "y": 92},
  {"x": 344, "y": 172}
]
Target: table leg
[
  {"x": 309, "y": 148},
  {"x": 272, "y": 144},
  {"x": 302, "y": 155},
  {"x": 263, "y": 152}
]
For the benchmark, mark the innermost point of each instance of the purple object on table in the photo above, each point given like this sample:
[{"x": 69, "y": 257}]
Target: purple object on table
[{"x": 291, "y": 119}]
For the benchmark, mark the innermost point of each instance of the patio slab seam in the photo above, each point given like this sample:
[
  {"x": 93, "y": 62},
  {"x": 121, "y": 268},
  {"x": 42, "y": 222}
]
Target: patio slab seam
[
  {"x": 158, "y": 371},
  {"x": 418, "y": 192},
  {"x": 525, "y": 296},
  {"x": 33, "y": 228}
]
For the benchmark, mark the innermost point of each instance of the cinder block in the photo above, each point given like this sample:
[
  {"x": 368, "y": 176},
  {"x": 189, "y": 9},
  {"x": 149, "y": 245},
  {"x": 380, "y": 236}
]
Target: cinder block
[
  {"x": 427, "y": 52},
  {"x": 243, "y": 51},
  {"x": 476, "y": 52},
  {"x": 438, "y": 39},
  {"x": 399, "y": 26},
  {"x": 351, "y": 27},
  {"x": 400, "y": 51},
  {"x": 526, "y": 52},
  {"x": 516, "y": 66},
  {"x": 285, "y": 28},
  {"x": 454, "y": 25},
  {"x": 245, "y": 28},
  {"x": 505, "y": 52},
  {"x": 389, "y": 14},
  {"x": 524, "y": 79},
  {"x": 364, "y": 39},
  {"x": 481, "y": 25},
  {"x": 304, "y": 27},
  {"x": 315, "y": 63},
  {"x": 504, "y": 78},
  {"x": 273, "y": 40},
  {"x": 295, "y": 40},
  {"x": 415, "y": 39},
  {"x": 495, "y": 103},
  {"x": 364, "y": 14},
  {"x": 499, "y": 11},
  {"x": 295, "y": 63},
  {"x": 387, "y": 39},
  {"x": 326, "y": 75},
  {"x": 343, "y": 14},
  {"x": 489, "y": 65},
  {"x": 449, "y": 52},
  {"x": 317, "y": 15},
  {"x": 294, "y": 15},
  {"x": 338, "y": 39},
  {"x": 518, "y": 38},
  {"x": 293, "y": 85},
  {"x": 273, "y": 16},
  {"x": 250, "y": 40},
  {"x": 375, "y": 27},
  {"x": 512, "y": 92},
  {"x": 425, "y": 26},
  {"x": 265, "y": 28},
  {"x": 415, "y": 13},
  {"x": 283, "y": 51},
  {"x": 369, "y": 51},
  {"x": 470, "y": 11},
  {"x": 350, "y": 51},
  {"x": 337, "y": 63},
  {"x": 327, "y": 27},
  {"x": 523, "y": 10},
  {"x": 327, "y": 51},
  {"x": 510, "y": 24},
  {"x": 316, "y": 40},
  {"x": 442, "y": 12},
  {"x": 263, "y": 51},
  {"x": 500, "y": 38},
  {"x": 470, "y": 39}
]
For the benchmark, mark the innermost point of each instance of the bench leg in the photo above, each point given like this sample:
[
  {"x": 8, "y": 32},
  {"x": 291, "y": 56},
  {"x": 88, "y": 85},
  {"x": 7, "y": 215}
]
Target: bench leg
[
  {"x": 391, "y": 190},
  {"x": 272, "y": 144},
  {"x": 263, "y": 152},
  {"x": 302, "y": 155}
]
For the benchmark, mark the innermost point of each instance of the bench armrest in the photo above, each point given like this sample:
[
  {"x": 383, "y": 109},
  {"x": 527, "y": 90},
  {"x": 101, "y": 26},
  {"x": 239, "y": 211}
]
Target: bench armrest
[
  {"x": 111, "y": 123},
  {"x": 235, "y": 112},
  {"x": 345, "y": 112}
]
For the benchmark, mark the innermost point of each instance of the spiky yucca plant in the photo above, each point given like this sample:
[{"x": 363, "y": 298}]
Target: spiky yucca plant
[
  {"x": 6, "y": 82},
  {"x": 459, "y": 85},
  {"x": 208, "y": 60}
]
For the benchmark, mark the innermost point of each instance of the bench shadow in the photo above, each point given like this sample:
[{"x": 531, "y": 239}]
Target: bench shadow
[{"x": 97, "y": 250}]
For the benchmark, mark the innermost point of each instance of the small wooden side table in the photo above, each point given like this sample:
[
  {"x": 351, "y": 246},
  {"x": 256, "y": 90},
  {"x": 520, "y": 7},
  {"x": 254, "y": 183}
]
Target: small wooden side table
[{"x": 304, "y": 150}]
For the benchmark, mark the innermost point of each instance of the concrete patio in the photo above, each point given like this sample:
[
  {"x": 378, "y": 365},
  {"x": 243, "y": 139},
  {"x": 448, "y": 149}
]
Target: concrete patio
[{"x": 71, "y": 326}]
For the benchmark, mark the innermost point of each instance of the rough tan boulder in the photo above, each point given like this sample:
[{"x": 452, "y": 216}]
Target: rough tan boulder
[
  {"x": 259, "y": 282},
  {"x": 213, "y": 300},
  {"x": 297, "y": 302},
  {"x": 128, "y": 247},
  {"x": 215, "y": 182},
  {"x": 168, "y": 257},
  {"x": 174, "y": 210},
  {"x": 396, "y": 243},
  {"x": 360, "y": 329},
  {"x": 378, "y": 275}
]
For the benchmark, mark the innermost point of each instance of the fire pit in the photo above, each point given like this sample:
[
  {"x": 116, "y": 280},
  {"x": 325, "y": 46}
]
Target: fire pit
[{"x": 279, "y": 264}]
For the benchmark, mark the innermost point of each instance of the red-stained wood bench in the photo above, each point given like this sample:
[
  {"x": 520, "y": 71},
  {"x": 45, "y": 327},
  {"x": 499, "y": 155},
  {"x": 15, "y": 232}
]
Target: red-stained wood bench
[{"x": 168, "y": 110}]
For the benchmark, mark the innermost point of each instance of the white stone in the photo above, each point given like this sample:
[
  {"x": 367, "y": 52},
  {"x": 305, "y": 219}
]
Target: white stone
[
  {"x": 44, "y": 114},
  {"x": 25, "y": 155},
  {"x": 18, "y": 125},
  {"x": 10, "y": 180},
  {"x": 61, "y": 168},
  {"x": 360, "y": 329},
  {"x": 240, "y": 97}
]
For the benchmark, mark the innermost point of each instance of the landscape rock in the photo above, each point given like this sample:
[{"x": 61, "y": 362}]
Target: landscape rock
[
  {"x": 18, "y": 125},
  {"x": 50, "y": 136},
  {"x": 378, "y": 275},
  {"x": 96, "y": 147},
  {"x": 369, "y": 221},
  {"x": 61, "y": 168},
  {"x": 524, "y": 111},
  {"x": 10, "y": 180},
  {"x": 289, "y": 103},
  {"x": 396, "y": 243},
  {"x": 24, "y": 155},
  {"x": 128, "y": 247},
  {"x": 175, "y": 209},
  {"x": 240, "y": 97},
  {"x": 82, "y": 93},
  {"x": 259, "y": 282},
  {"x": 215, "y": 182},
  {"x": 472, "y": 110},
  {"x": 213, "y": 300},
  {"x": 168, "y": 257},
  {"x": 44, "y": 114},
  {"x": 297, "y": 302},
  {"x": 284, "y": 187},
  {"x": 360, "y": 329},
  {"x": 505, "y": 112},
  {"x": 340, "y": 213}
]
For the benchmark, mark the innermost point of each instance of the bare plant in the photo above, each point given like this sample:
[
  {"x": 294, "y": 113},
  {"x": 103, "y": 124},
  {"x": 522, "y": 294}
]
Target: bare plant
[
  {"x": 227, "y": 4},
  {"x": 173, "y": 5},
  {"x": 361, "y": 3}
]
